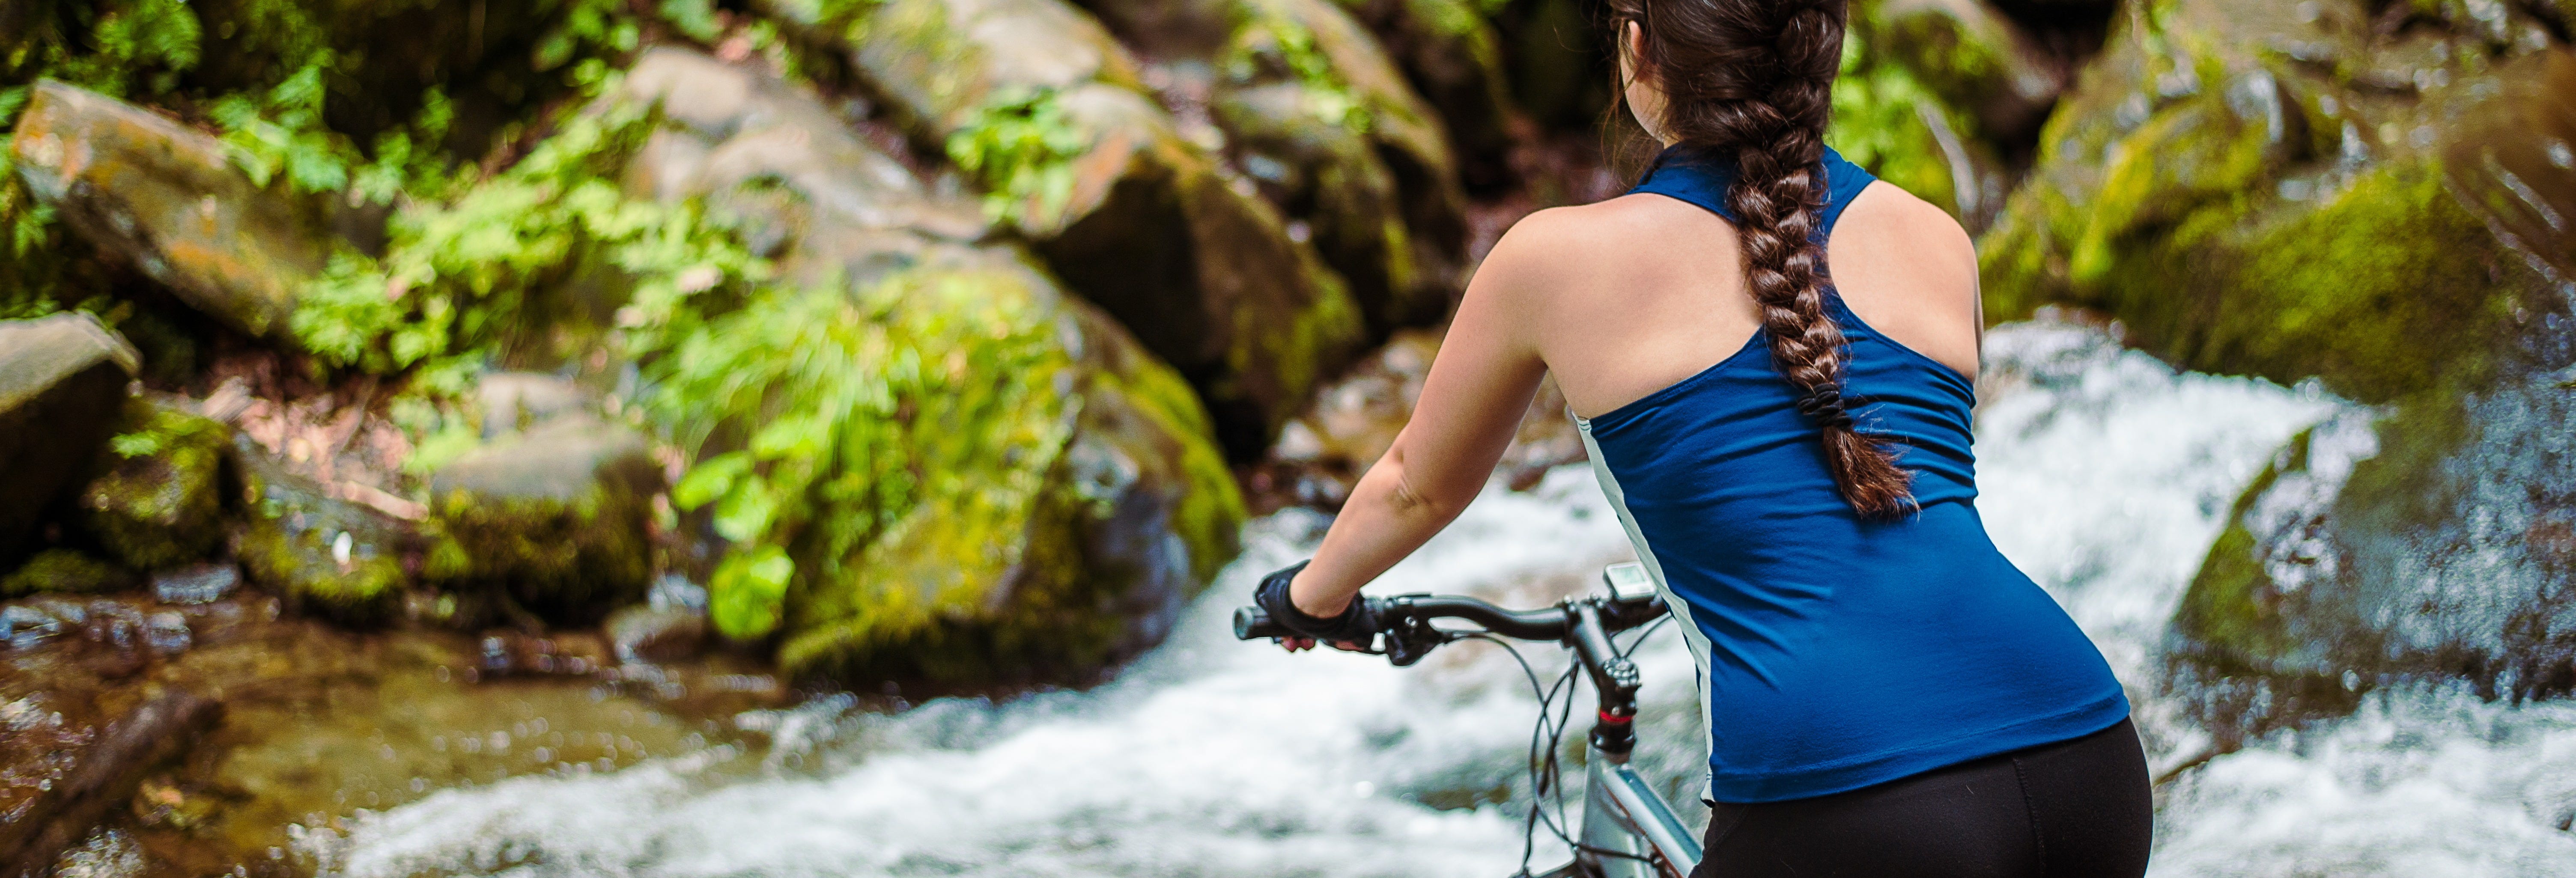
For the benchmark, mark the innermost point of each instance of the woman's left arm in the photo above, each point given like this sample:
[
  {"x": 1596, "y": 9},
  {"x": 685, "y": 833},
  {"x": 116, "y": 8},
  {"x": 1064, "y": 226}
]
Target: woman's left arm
[{"x": 1480, "y": 385}]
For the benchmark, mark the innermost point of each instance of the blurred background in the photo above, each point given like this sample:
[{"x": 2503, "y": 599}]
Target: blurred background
[{"x": 826, "y": 437}]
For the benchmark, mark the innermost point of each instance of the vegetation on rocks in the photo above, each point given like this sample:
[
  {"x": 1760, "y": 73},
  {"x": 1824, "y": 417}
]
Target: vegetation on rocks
[{"x": 157, "y": 501}]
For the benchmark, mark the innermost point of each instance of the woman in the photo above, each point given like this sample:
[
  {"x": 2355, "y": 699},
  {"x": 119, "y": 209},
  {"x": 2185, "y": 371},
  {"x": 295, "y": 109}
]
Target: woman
[{"x": 1771, "y": 357}]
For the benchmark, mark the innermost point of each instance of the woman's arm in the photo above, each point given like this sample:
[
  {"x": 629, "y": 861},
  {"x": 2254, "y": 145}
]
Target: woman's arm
[{"x": 1479, "y": 387}]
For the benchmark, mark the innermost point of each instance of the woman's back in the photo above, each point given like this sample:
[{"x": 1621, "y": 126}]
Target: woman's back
[{"x": 1837, "y": 650}]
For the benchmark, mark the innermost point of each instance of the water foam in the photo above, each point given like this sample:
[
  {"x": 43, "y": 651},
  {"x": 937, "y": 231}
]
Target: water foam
[{"x": 2104, "y": 474}]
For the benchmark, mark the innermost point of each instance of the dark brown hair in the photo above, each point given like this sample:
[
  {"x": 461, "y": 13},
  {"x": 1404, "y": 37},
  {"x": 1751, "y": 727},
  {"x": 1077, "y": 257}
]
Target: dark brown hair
[{"x": 1753, "y": 79}]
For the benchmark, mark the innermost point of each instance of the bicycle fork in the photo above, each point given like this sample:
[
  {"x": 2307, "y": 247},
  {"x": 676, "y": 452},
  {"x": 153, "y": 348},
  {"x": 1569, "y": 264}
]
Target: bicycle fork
[{"x": 1628, "y": 831}]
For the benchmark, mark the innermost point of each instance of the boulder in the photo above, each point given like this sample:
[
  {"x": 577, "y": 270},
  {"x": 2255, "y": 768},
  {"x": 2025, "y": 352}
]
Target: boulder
[
  {"x": 158, "y": 501},
  {"x": 1353, "y": 422},
  {"x": 2247, "y": 210},
  {"x": 62, "y": 386},
  {"x": 556, "y": 517},
  {"x": 321, "y": 553},
  {"x": 1943, "y": 98},
  {"x": 1453, "y": 57},
  {"x": 168, "y": 199},
  {"x": 1074, "y": 498},
  {"x": 1046, "y": 110},
  {"x": 1317, "y": 114}
]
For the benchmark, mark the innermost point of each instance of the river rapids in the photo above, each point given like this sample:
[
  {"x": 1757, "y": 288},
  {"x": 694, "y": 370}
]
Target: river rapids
[{"x": 2105, "y": 475}]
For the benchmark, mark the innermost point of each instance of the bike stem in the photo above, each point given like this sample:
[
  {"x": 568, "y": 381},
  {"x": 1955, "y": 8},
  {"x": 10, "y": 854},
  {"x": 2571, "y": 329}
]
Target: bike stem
[{"x": 1614, "y": 736}]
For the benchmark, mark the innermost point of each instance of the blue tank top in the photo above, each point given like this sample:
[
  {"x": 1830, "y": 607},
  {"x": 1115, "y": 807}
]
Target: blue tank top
[{"x": 1835, "y": 652}]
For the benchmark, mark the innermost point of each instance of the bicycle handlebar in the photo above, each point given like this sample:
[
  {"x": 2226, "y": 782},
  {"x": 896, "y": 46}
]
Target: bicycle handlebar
[{"x": 1548, "y": 623}]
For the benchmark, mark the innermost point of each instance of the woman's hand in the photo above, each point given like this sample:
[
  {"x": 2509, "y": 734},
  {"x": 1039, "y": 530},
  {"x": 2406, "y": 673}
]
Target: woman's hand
[{"x": 1344, "y": 621}]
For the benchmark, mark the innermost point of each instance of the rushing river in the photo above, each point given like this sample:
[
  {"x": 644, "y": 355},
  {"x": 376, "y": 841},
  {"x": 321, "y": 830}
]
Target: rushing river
[{"x": 2105, "y": 475}]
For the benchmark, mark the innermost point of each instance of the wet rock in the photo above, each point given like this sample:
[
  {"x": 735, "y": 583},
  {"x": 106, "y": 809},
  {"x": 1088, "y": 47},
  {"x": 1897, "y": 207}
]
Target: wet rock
[
  {"x": 1354, "y": 421},
  {"x": 169, "y": 200},
  {"x": 513, "y": 402},
  {"x": 1133, "y": 216},
  {"x": 656, "y": 634},
  {"x": 62, "y": 384},
  {"x": 80, "y": 786},
  {"x": 26, "y": 625},
  {"x": 508, "y": 653},
  {"x": 321, "y": 553},
  {"x": 1106, "y": 509},
  {"x": 167, "y": 633},
  {"x": 1453, "y": 57},
  {"x": 1320, "y": 117},
  {"x": 63, "y": 571},
  {"x": 158, "y": 499},
  {"x": 196, "y": 583},
  {"x": 2247, "y": 210},
  {"x": 555, "y": 517}
]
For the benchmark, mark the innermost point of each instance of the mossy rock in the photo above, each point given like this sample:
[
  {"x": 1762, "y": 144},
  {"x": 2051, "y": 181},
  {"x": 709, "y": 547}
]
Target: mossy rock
[
  {"x": 1453, "y": 57},
  {"x": 1316, "y": 113},
  {"x": 167, "y": 199},
  {"x": 557, "y": 518},
  {"x": 158, "y": 499},
  {"x": 2242, "y": 211},
  {"x": 62, "y": 385},
  {"x": 63, "y": 571},
  {"x": 322, "y": 554},
  {"x": 1128, "y": 213},
  {"x": 1081, "y": 558},
  {"x": 1066, "y": 504}
]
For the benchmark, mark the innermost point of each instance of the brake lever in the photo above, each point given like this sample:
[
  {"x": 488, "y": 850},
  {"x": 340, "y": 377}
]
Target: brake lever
[{"x": 1408, "y": 637}]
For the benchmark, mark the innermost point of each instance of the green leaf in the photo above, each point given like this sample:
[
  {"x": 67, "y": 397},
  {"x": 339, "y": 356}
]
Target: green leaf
[
  {"x": 710, "y": 479},
  {"x": 748, "y": 590},
  {"x": 137, "y": 444}
]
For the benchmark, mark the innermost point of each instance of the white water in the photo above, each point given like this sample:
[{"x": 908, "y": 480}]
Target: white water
[{"x": 2105, "y": 475}]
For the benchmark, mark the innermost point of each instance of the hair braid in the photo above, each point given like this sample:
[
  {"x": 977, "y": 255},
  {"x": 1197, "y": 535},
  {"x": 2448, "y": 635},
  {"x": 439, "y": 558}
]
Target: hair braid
[{"x": 1755, "y": 79}]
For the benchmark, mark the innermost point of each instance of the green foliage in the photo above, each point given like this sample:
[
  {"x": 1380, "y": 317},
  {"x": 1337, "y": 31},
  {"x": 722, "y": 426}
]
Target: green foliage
[
  {"x": 1878, "y": 125},
  {"x": 457, "y": 278},
  {"x": 694, "y": 18},
  {"x": 1020, "y": 144},
  {"x": 849, "y": 409},
  {"x": 1268, "y": 43}
]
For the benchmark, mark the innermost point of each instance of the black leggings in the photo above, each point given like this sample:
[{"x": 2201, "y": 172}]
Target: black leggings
[{"x": 2073, "y": 808}]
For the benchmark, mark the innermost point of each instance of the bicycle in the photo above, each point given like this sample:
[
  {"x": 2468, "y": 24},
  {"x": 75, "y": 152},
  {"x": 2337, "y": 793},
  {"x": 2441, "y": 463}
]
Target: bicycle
[{"x": 1628, "y": 831}]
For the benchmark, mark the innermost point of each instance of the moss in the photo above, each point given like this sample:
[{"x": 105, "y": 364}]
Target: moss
[
  {"x": 157, "y": 502},
  {"x": 322, "y": 555},
  {"x": 569, "y": 560},
  {"x": 1212, "y": 511},
  {"x": 1020, "y": 145},
  {"x": 63, "y": 571},
  {"x": 302, "y": 565},
  {"x": 2231, "y": 613}
]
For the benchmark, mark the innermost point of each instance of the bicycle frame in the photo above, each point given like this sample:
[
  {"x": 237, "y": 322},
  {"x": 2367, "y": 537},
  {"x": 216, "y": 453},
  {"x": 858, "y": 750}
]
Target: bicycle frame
[{"x": 1628, "y": 830}]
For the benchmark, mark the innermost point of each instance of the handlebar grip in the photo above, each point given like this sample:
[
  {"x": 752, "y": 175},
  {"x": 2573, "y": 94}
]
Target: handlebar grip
[{"x": 1252, "y": 623}]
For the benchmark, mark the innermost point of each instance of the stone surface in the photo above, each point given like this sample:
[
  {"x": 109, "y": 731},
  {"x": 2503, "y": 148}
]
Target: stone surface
[
  {"x": 2243, "y": 208},
  {"x": 157, "y": 500},
  {"x": 1140, "y": 221},
  {"x": 1354, "y": 421},
  {"x": 1453, "y": 57},
  {"x": 167, "y": 199},
  {"x": 320, "y": 723},
  {"x": 1358, "y": 156},
  {"x": 555, "y": 517},
  {"x": 322, "y": 554},
  {"x": 62, "y": 385},
  {"x": 1076, "y": 548}
]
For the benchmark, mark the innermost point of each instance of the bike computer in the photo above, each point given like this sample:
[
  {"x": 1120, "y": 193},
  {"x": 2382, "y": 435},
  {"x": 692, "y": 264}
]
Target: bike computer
[{"x": 1628, "y": 582}]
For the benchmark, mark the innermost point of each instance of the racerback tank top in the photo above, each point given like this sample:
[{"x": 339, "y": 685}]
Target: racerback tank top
[{"x": 1835, "y": 652}]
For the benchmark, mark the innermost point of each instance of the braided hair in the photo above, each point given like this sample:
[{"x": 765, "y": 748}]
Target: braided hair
[{"x": 1754, "y": 78}]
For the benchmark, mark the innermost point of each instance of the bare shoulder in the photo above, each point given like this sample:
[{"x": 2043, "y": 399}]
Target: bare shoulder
[
  {"x": 1589, "y": 244},
  {"x": 1893, "y": 225}
]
